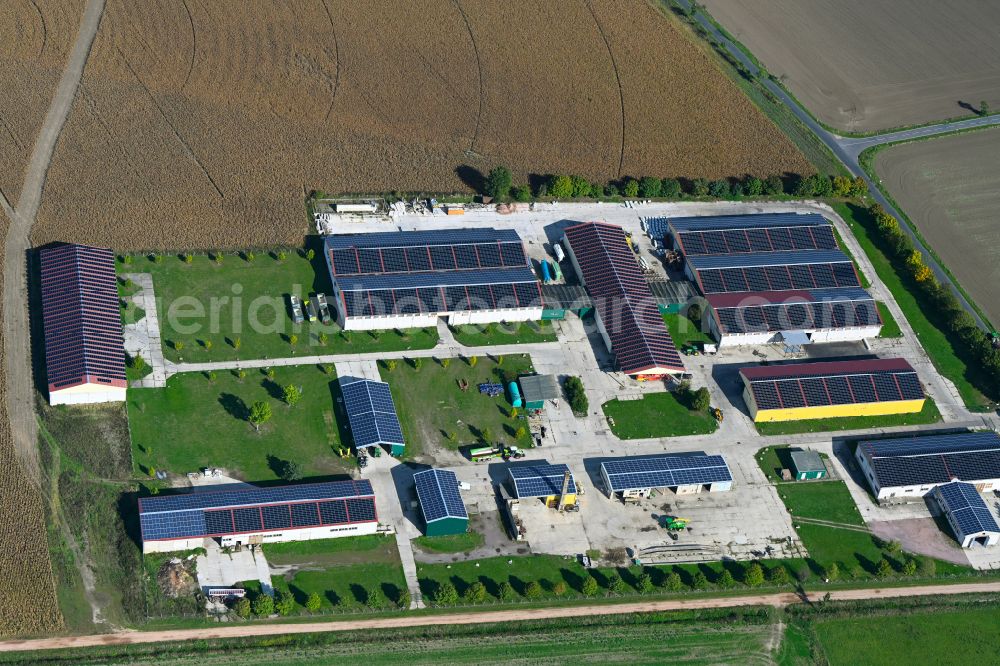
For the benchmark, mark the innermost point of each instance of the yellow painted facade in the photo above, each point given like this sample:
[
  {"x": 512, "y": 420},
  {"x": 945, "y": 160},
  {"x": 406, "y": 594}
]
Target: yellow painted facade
[
  {"x": 834, "y": 411},
  {"x": 553, "y": 500}
]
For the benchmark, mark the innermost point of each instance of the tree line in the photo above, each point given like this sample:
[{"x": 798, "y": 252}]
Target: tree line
[
  {"x": 500, "y": 186},
  {"x": 944, "y": 306}
]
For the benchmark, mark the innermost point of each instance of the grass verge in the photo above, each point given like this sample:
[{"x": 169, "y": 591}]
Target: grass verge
[
  {"x": 452, "y": 543},
  {"x": 474, "y": 335},
  {"x": 685, "y": 332},
  {"x": 890, "y": 327}
]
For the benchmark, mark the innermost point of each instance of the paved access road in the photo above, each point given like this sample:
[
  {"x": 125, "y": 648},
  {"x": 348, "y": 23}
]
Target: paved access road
[
  {"x": 485, "y": 617},
  {"x": 848, "y": 149}
]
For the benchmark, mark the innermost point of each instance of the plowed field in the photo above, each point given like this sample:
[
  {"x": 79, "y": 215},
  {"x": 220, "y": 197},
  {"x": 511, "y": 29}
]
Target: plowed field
[
  {"x": 35, "y": 38},
  {"x": 869, "y": 65},
  {"x": 203, "y": 122}
]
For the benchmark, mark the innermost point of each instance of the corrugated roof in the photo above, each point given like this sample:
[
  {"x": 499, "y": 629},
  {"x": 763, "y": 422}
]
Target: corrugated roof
[
  {"x": 518, "y": 275},
  {"x": 757, "y": 298},
  {"x": 826, "y": 368},
  {"x": 623, "y": 300},
  {"x": 930, "y": 459},
  {"x": 81, "y": 317},
  {"x": 536, "y": 388},
  {"x": 755, "y": 221},
  {"x": 795, "y": 310},
  {"x": 390, "y": 239},
  {"x": 437, "y": 492},
  {"x": 965, "y": 505}
]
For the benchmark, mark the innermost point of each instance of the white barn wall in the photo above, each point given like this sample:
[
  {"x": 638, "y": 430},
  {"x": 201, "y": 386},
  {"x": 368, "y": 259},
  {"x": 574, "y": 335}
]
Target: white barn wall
[
  {"x": 275, "y": 536},
  {"x": 87, "y": 394}
]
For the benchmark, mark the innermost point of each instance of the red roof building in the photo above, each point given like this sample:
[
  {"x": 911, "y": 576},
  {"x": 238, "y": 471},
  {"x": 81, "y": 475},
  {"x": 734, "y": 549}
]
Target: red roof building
[
  {"x": 626, "y": 311},
  {"x": 84, "y": 352}
]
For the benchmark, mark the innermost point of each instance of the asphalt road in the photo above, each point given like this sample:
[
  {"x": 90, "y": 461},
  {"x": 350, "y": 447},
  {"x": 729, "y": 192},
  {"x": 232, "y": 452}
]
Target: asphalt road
[
  {"x": 484, "y": 617},
  {"x": 848, "y": 149}
]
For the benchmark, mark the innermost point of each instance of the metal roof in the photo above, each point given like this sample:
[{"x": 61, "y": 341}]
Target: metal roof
[
  {"x": 542, "y": 480},
  {"x": 536, "y": 388},
  {"x": 566, "y": 296},
  {"x": 371, "y": 413},
  {"x": 930, "y": 459},
  {"x": 966, "y": 507},
  {"x": 81, "y": 317},
  {"x": 251, "y": 509},
  {"x": 754, "y": 312},
  {"x": 671, "y": 292},
  {"x": 832, "y": 383},
  {"x": 755, "y": 259},
  {"x": 389, "y": 239},
  {"x": 665, "y": 471},
  {"x": 754, "y": 221},
  {"x": 520, "y": 274},
  {"x": 739, "y": 241},
  {"x": 437, "y": 492},
  {"x": 807, "y": 461},
  {"x": 623, "y": 300}
]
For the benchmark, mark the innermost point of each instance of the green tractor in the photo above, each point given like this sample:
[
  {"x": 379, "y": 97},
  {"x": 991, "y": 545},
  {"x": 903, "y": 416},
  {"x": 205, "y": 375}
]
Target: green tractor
[{"x": 675, "y": 524}]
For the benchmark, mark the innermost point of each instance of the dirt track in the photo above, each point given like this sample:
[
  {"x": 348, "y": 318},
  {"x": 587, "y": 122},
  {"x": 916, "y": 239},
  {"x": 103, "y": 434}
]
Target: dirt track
[
  {"x": 244, "y": 630},
  {"x": 950, "y": 187},
  {"x": 869, "y": 65}
]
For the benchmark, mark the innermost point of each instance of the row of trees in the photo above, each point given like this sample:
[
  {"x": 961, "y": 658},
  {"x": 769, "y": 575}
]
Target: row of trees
[
  {"x": 942, "y": 305},
  {"x": 499, "y": 185},
  {"x": 576, "y": 396},
  {"x": 283, "y": 603}
]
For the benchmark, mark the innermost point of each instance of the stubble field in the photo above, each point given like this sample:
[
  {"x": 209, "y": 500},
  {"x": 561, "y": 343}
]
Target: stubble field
[
  {"x": 35, "y": 39},
  {"x": 204, "y": 123},
  {"x": 950, "y": 188},
  {"x": 870, "y": 65}
]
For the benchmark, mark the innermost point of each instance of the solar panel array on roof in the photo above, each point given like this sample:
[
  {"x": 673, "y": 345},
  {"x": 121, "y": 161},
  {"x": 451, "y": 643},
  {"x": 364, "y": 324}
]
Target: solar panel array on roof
[
  {"x": 742, "y": 241},
  {"x": 835, "y": 383},
  {"x": 371, "y": 413},
  {"x": 665, "y": 472},
  {"x": 622, "y": 298},
  {"x": 541, "y": 480},
  {"x": 81, "y": 317},
  {"x": 966, "y": 506},
  {"x": 756, "y": 312},
  {"x": 437, "y": 491},
  {"x": 931, "y": 459},
  {"x": 219, "y": 513},
  {"x": 754, "y": 221},
  {"x": 813, "y": 269}
]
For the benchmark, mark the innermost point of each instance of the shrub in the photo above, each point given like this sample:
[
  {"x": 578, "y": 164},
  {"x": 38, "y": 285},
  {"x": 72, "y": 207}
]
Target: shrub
[
  {"x": 725, "y": 579},
  {"x": 616, "y": 585},
  {"x": 476, "y": 593},
  {"x": 498, "y": 182},
  {"x": 803, "y": 573},
  {"x": 313, "y": 602},
  {"x": 774, "y": 185},
  {"x": 753, "y": 186},
  {"x": 893, "y": 546},
  {"x": 631, "y": 188},
  {"x": 719, "y": 189},
  {"x": 242, "y": 607},
  {"x": 533, "y": 590},
  {"x": 754, "y": 575},
  {"x": 505, "y": 591},
  {"x": 559, "y": 588},
  {"x": 650, "y": 187},
  {"x": 832, "y": 572},
  {"x": 561, "y": 187},
  {"x": 263, "y": 605},
  {"x": 375, "y": 598},
  {"x": 778, "y": 575},
  {"x": 521, "y": 193},
  {"x": 284, "y": 603},
  {"x": 670, "y": 188},
  {"x": 909, "y": 567},
  {"x": 403, "y": 600},
  {"x": 701, "y": 400},
  {"x": 673, "y": 581},
  {"x": 699, "y": 187},
  {"x": 644, "y": 584},
  {"x": 589, "y": 586},
  {"x": 699, "y": 581},
  {"x": 445, "y": 594},
  {"x": 927, "y": 567},
  {"x": 576, "y": 396},
  {"x": 581, "y": 186},
  {"x": 884, "y": 569}
]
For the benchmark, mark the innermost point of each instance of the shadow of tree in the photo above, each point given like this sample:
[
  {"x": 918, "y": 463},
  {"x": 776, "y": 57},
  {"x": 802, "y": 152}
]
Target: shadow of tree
[{"x": 234, "y": 406}]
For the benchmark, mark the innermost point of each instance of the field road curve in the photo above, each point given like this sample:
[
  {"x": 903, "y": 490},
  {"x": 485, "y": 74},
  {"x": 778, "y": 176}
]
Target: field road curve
[
  {"x": 16, "y": 334},
  {"x": 849, "y": 149},
  {"x": 486, "y": 617}
]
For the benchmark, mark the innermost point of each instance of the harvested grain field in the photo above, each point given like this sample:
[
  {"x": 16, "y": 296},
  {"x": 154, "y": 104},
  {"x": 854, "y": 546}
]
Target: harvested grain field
[
  {"x": 204, "y": 123},
  {"x": 869, "y": 65},
  {"x": 950, "y": 188},
  {"x": 35, "y": 39}
]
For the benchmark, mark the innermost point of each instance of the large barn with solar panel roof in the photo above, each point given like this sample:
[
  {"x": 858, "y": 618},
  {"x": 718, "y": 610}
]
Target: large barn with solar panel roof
[
  {"x": 625, "y": 310},
  {"x": 440, "y": 502},
  {"x": 913, "y": 466},
  {"x": 970, "y": 519},
  {"x": 371, "y": 414},
  {"x": 410, "y": 279},
  {"x": 633, "y": 477},
  {"x": 248, "y": 515}
]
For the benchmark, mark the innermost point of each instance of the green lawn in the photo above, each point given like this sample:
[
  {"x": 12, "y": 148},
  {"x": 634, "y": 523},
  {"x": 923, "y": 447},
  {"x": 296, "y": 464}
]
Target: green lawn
[
  {"x": 684, "y": 331},
  {"x": 946, "y": 357},
  {"x": 452, "y": 543},
  {"x": 244, "y": 304},
  {"x": 656, "y": 415},
  {"x": 474, "y": 335},
  {"x": 432, "y": 407},
  {"x": 890, "y": 328},
  {"x": 824, "y": 500},
  {"x": 929, "y": 414},
  {"x": 131, "y": 313},
  {"x": 194, "y": 422},
  {"x": 773, "y": 459},
  {"x": 341, "y": 571},
  {"x": 938, "y": 637}
]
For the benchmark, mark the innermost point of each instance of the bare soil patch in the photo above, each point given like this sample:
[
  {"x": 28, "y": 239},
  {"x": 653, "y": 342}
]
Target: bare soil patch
[
  {"x": 204, "y": 123},
  {"x": 868, "y": 65},
  {"x": 950, "y": 188}
]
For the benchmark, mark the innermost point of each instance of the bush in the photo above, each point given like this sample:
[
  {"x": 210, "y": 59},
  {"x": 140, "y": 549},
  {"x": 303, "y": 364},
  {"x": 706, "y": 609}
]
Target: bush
[
  {"x": 631, "y": 188},
  {"x": 263, "y": 605},
  {"x": 375, "y": 598},
  {"x": 644, "y": 584},
  {"x": 699, "y": 581},
  {"x": 832, "y": 572},
  {"x": 927, "y": 567},
  {"x": 589, "y": 586},
  {"x": 719, "y": 189},
  {"x": 616, "y": 585},
  {"x": 533, "y": 590},
  {"x": 774, "y": 185},
  {"x": 576, "y": 396},
  {"x": 909, "y": 567},
  {"x": 803, "y": 573},
  {"x": 498, "y": 182},
  {"x": 505, "y": 591},
  {"x": 445, "y": 594},
  {"x": 753, "y": 186},
  {"x": 670, "y": 188},
  {"x": 476, "y": 593},
  {"x": 884, "y": 569},
  {"x": 650, "y": 187},
  {"x": 284, "y": 603},
  {"x": 725, "y": 579},
  {"x": 313, "y": 602},
  {"x": 560, "y": 187},
  {"x": 778, "y": 575},
  {"x": 242, "y": 607},
  {"x": 699, "y": 187},
  {"x": 581, "y": 186},
  {"x": 672, "y": 581},
  {"x": 559, "y": 588},
  {"x": 521, "y": 193},
  {"x": 701, "y": 400},
  {"x": 403, "y": 600},
  {"x": 754, "y": 575}
]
